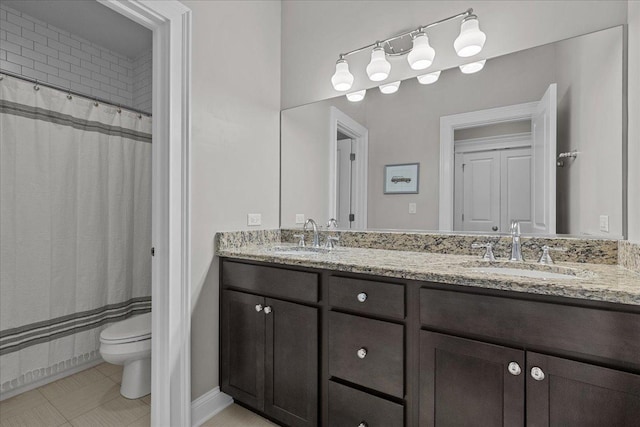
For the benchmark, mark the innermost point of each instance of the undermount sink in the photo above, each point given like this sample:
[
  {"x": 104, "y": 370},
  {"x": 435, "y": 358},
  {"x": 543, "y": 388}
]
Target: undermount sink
[
  {"x": 534, "y": 271},
  {"x": 298, "y": 250}
]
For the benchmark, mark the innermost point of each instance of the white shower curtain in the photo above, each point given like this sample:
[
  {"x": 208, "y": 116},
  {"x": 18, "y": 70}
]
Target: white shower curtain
[{"x": 75, "y": 228}]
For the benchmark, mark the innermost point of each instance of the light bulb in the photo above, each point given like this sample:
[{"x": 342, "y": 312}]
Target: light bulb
[
  {"x": 390, "y": 88},
  {"x": 342, "y": 79},
  {"x": 471, "y": 38},
  {"x": 422, "y": 54},
  {"x": 379, "y": 68},
  {"x": 427, "y": 79},
  {"x": 356, "y": 96},
  {"x": 472, "y": 67}
]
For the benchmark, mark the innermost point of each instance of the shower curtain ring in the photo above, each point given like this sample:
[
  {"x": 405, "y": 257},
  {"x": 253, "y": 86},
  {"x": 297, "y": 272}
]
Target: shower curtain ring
[
  {"x": 95, "y": 103},
  {"x": 69, "y": 94},
  {"x": 36, "y": 86},
  {"x": 119, "y": 110}
]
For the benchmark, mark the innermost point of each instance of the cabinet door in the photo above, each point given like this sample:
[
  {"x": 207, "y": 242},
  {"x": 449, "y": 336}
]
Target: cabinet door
[
  {"x": 573, "y": 394},
  {"x": 242, "y": 348},
  {"x": 291, "y": 373},
  {"x": 465, "y": 382}
]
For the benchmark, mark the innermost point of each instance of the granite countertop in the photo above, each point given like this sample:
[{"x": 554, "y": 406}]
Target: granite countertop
[{"x": 597, "y": 282}]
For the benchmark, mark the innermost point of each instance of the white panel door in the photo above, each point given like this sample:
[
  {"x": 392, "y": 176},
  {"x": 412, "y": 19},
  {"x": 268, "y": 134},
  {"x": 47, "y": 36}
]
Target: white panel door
[
  {"x": 480, "y": 175},
  {"x": 515, "y": 177},
  {"x": 543, "y": 153},
  {"x": 345, "y": 182}
]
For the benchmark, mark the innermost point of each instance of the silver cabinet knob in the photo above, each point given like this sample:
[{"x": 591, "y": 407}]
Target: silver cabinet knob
[
  {"x": 362, "y": 353},
  {"x": 362, "y": 297},
  {"x": 363, "y": 424},
  {"x": 514, "y": 368},
  {"x": 267, "y": 310},
  {"x": 494, "y": 228},
  {"x": 258, "y": 308},
  {"x": 537, "y": 374}
]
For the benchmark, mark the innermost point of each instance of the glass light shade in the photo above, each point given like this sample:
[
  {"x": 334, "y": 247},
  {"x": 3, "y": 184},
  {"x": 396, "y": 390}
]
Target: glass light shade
[
  {"x": 427, "y": 79},
  {"x": 342, "y": 79},
  {"x": 422, "y": 54},
  {"x": 357, "y": 96},
  {"x": 471, "y": 38},
  {"x": 378, "y": 68},
  {"x": 472, "y": 67},
  {"x": 390, "y": 88}
]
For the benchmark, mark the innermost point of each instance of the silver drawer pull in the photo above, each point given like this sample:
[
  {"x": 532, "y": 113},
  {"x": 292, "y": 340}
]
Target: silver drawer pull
[
  {"x": 362, "y": 353},
  {"x": 537, "y": 374},
  {"x": 363, "y": 424},
  {"x": 258, "y": 308},
  {"x": 362, "y": 297},
  {"x": 267, "y": 310},
  {"x": 514, "y": 368}
]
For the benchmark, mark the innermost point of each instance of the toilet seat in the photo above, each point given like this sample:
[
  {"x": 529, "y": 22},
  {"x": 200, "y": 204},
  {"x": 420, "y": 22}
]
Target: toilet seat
[{"x": 135, "y": 328}]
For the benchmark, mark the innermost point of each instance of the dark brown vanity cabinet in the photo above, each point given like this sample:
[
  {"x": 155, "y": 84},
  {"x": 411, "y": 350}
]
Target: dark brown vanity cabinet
[
  {"x": 470, "y": 382},
  {"x": 269, "y": 355},
  {"x": 408, "y": 353}
]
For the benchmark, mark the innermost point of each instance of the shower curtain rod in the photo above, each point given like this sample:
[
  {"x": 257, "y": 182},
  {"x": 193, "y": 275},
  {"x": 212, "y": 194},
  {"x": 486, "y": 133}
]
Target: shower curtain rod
[{"x": 69, "y": 91}]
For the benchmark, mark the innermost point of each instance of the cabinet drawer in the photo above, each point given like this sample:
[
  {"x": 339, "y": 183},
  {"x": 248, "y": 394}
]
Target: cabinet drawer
[
  {"x": 349, "y": 408},
  {"x": 365, "y": 296},
  {"x": 382, "y": 367},
  {"x": 588, "y": 331},
  {"x": 271, "y": 281}
]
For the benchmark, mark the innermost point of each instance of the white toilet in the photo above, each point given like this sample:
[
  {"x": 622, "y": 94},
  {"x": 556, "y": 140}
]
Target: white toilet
[{"x": 128, "y": 343}]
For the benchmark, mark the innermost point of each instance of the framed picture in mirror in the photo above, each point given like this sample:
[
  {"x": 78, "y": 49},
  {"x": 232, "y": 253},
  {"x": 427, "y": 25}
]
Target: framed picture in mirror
[{"x": 401, "y": 179}]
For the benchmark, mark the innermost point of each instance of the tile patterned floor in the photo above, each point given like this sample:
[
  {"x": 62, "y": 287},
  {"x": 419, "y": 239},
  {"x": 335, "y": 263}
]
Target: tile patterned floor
[
  {"x": 88, "y": 398},
  {"x": 91, "y": 398}
]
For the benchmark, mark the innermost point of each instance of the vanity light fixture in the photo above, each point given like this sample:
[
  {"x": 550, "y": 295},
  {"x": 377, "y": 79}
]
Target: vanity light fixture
[
  {"x": 427, "y": 79},
  {"x": 357, "y": 96},
  {"x": 472, "y": 67},
  {"x": 342, "y": 79},
  {"x": 390, "y": 88},
  {"x": 378, "y": 68},
  {"x": 420, "y": 54},
  {"x": 471, "y": 39}
]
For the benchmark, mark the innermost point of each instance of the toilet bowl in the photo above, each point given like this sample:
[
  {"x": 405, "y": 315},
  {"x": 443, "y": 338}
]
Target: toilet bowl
[{"x": 128, "y": 343}]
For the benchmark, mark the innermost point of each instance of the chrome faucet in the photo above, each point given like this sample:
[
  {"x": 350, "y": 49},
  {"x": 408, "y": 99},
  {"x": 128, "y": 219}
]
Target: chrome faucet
[
  {"x": 316, "y": 235},
  {"x": 516, "y": 248}
]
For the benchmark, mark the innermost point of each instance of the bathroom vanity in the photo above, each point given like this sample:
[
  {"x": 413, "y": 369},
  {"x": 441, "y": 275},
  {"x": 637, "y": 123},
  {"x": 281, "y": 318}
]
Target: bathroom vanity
[{"x": 364, "y": 337}]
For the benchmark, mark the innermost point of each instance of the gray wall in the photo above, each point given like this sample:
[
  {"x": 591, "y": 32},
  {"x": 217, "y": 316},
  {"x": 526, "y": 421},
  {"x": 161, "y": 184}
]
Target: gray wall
[
  {"x": 235, "y": 151},
  {"x": 315, "y": 32},
  {"x": 634, "y": 122}
]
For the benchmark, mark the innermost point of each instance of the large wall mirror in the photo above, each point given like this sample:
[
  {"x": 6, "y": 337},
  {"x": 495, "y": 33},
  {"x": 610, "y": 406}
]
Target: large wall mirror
[{"x": 536, "y": 136}]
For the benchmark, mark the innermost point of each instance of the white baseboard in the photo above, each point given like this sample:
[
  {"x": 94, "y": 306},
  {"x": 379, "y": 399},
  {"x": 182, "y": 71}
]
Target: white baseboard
[
  {"x": 49, "y": 379},
  {"x": 207, "y": 405}
]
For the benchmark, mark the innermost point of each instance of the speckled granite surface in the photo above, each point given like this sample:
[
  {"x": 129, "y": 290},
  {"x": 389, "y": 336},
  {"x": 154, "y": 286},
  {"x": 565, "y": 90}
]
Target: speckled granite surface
[
  {"x": 629, "y": 255},
  {"x": 592, "y": 281},
  {"x": 595, "y": 251},
  {"x": 238, "y": 239}
]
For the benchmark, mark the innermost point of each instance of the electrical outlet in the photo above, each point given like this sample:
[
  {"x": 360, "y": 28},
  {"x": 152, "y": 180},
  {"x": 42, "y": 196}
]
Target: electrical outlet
[
  {"x": 299, "y": 218},
  {"x": 604, "y": 223},
  {"x": 254, "y": 219},
  {"x": 412, "y": 208}
]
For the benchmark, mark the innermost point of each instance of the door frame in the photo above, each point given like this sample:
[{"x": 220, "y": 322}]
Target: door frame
[
  {"x": 339, "y": 121},
  {"x": 170, "y": 22},
  {"x": 448, "y": 125}
]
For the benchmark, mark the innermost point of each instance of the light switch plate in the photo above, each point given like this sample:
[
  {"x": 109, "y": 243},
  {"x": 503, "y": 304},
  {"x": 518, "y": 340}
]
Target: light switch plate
[
  {"x": 299, "y": 218},
  {"x": 254, "y": 219},
  {"x": 412, "y": 208},
  {"x": 604, "y": 223}
]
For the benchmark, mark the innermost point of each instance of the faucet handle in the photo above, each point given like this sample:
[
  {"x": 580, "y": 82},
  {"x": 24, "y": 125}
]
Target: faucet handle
[
  {"x": 545, "y": 258},
  {"x": 300, "y": 238},
  {"x": 332, "y": 242},
  {"x": 488, "y": 255},
  {"x": 332, "y": 224},
  {"x": 515, "y": 227}
]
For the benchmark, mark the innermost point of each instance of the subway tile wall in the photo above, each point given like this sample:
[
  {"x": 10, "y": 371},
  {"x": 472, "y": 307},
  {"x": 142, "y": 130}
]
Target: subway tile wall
[{"x": 34, "y": 49}]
